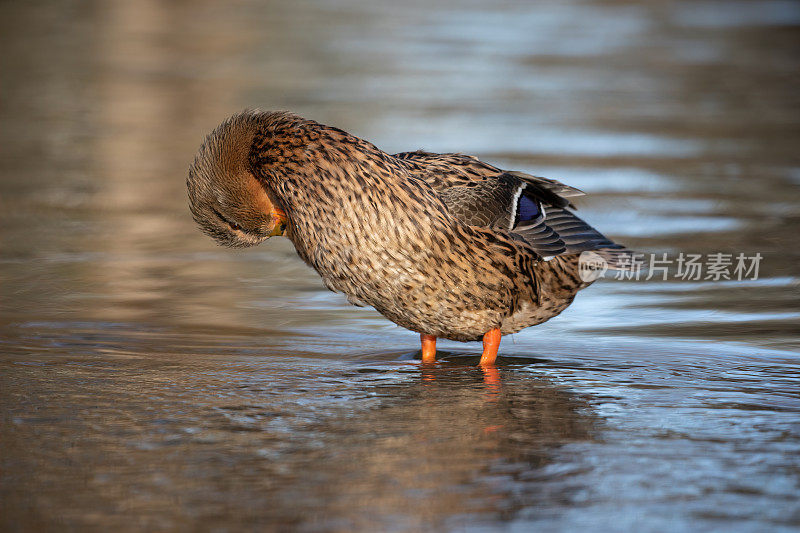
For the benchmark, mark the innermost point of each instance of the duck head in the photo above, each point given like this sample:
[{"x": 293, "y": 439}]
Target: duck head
[{"x": 226, "y": 200}]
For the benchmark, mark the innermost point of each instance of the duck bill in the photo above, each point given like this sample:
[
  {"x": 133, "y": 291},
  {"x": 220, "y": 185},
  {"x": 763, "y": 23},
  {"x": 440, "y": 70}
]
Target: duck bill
[{"x": 280, "y": 222}]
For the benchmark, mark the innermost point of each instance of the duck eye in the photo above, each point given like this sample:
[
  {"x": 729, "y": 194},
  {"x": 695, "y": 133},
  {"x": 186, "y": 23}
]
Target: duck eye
[{"x": 232, "y": 224}]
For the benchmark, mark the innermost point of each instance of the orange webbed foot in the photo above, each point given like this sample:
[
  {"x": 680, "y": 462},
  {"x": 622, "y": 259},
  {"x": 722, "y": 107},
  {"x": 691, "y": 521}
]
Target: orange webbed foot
[
  {"x": 428, "y": 348},
  {"x": 491, "y": 343}
]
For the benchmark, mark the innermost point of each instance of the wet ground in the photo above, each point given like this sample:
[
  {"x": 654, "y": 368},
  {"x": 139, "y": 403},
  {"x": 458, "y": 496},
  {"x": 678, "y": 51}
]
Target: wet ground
[{"x": 152, "y": 381}]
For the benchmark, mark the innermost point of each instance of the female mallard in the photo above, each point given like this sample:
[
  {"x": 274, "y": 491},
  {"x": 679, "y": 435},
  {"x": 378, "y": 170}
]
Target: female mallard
[{"x": 441, "y": 244}]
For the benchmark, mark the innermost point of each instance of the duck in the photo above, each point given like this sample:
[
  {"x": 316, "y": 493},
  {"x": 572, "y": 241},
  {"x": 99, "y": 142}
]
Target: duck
[{"x": 442, "y": 244}]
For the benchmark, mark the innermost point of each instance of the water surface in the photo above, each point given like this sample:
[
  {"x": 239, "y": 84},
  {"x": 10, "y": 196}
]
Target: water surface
[{"x": 150, "y": 380}]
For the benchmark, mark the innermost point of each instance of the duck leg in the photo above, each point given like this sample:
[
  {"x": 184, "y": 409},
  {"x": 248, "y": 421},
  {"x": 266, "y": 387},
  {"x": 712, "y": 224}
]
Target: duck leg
[
  {"x": 428, "y": 348},
  {"x": 491, "y": 342}
]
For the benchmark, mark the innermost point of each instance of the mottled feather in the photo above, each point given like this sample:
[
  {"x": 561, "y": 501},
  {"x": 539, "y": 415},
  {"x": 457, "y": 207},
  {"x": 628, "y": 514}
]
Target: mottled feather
[
  {"x": 480, "y": 194},
  {"x": 434, "y": 242}
]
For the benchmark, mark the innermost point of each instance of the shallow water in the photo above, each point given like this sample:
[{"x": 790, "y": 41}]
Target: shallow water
[{"x": 150, "y": 380}]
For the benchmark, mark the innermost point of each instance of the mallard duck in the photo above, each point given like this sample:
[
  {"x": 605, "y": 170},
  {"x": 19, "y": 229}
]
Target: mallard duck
[{"x": 441, "y": 244}]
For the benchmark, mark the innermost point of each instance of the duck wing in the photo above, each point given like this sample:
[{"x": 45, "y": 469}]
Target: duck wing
[{"x": 533, "y": 209}]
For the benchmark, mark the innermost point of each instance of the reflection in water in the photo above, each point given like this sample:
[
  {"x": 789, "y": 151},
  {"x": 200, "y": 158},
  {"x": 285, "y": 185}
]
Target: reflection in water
[
  {"x": 445, "y": 451},
  {"x": 253, "y": 441},
  {"x": 149, "y": 380}
]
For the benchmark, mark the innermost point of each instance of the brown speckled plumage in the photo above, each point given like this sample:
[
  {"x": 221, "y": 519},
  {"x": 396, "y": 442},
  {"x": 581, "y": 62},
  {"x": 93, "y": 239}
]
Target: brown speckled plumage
[{"x": 434, "y": 242}]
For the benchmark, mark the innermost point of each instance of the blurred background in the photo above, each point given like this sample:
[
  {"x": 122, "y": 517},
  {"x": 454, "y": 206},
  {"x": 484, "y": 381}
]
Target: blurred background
[{"x": 150, "y": 379}]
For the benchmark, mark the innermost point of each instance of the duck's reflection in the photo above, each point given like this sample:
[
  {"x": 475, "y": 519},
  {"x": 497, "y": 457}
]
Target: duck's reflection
[
  {"x": 491, "y": 379},
  {"x": 457, "y": 441},
  {"x": 271, "y": 443}
]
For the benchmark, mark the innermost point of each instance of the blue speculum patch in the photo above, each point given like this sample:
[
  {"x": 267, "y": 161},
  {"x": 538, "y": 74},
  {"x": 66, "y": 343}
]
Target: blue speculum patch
[{"x": 527, "y": 210}]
